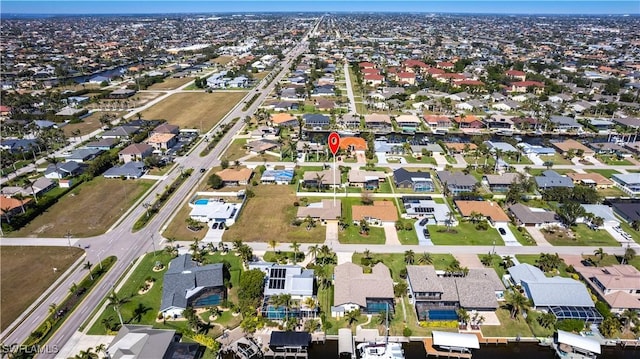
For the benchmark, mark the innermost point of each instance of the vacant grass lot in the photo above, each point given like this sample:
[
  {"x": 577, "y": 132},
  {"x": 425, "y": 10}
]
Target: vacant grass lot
[
  {"x": 150, "y": 301},
  {"x": 268, "y": 216},
  {"x": 613, "y": 161},
  {"x": 466, "y": 235},
  {"x": 223, "y": 60},
  {"x": 583, "y": 236},
  {"x": 557, "y": 159},
  {"x": 235, "y": 150},
  {"x": 191, "y": 110},
  {"x": 32, "y": 265},
  {"x": 89, "y": 123},
  {"x": 170, "y": 84},
  {"x": 88, "y": 210}
]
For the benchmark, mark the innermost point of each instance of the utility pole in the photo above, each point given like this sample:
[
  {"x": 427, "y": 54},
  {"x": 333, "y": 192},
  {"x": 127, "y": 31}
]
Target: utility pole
[
  {"x": 68, "y": 235},
  {"x": 153, "y": 243}
]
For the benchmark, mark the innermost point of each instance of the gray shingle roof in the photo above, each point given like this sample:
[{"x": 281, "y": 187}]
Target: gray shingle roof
[
  {"x": 184, "y": 275},
  {"x": 456, "y": 178},
  {"x": 353, "y": 286}
]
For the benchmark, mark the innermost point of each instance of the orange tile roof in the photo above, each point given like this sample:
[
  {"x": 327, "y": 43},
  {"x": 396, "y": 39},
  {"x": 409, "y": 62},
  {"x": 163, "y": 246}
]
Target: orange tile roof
[
  {"x": 358, "y": 143},
  {"x": 382, "y": 210},
  {"x": 278, "y": 118},
  {"x": 232, "y": 174},
  {"x": 11, "y": 203},
  {"x": 596, "y": 177},
  {"x": 568, "y": 145},
  {"x": 466, "y": 119},
  {"x": 489, "y": 209}
]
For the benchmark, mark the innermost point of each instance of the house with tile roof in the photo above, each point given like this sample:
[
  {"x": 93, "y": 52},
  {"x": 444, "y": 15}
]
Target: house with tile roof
[
  {"x": 235, "y": 176},
  {"x": 590, "y": 179},
  {"x": 533, "y": 217},
  {"x": 618, "y": 285},
  {"x": 354, "y": 289},
  {"x": 135, "y": 152},
  {"x": 488, "y": 209},
  {"x": 325, "y": 210},
  {"x": 379, "y": 213}
]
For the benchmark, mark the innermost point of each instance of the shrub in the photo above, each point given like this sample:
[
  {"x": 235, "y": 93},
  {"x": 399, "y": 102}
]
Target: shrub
[
  {"x": 570, "y": 325},
  {"x": 406, "y": 332}
]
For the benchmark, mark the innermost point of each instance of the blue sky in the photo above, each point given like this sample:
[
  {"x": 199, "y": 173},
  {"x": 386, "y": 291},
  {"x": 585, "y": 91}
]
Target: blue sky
[{"x": 466, "y": 6}]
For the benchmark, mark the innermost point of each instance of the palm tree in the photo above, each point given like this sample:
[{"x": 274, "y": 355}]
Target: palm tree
[
  {"x": 463, "y": 316},
  {"x": 272, "y": 244},
  {"x": 295, "y": 246},
  {"x": 507, "y": 261},
  {"x": 409, "y": 257},
  {"x": 102, "y": 348},
  {"x": 73, "y": 289},
  {"x": 20, "y": 197},
  {"x": 52, "y": 308},
  {"x": 366, "y": 254},
  {"x": 86, "y": 354},
  {"x": 629, "y": 317},
  {"x": 629, "y": 254},
  {"x": 352, "y": 316},
  {"x": 364, "y": 227},
  {"x": 450, "y": 216},
  {"x": 117, "y": 303},
  {"x": 88, "y": 266},
  {"x": 29, "y": 183},
  {"x": 313, "y": 250},
  {"x": 425, "y": 258},
  {"x": 517, "y": 303},
  {"x": 599, "y": 253},
  {"x": 237, "y": 244}
]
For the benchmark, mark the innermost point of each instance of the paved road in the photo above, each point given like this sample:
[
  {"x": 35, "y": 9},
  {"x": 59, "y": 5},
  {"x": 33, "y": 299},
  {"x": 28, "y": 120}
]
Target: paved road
[
  {"x": 120, "y": 241},
  {"x": 352, "y": 99}
]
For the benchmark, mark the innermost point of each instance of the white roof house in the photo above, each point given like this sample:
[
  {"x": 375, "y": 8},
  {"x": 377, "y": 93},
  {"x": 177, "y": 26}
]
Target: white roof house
[
  {"x": 579, "y": 342},
  {"x": 213, "y": 211},
  {"x": 455, "y": 340}
]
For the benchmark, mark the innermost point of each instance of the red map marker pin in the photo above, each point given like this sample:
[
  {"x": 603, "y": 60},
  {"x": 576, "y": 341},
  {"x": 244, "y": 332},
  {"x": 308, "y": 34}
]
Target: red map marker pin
[{"x": 334, "y": 142}]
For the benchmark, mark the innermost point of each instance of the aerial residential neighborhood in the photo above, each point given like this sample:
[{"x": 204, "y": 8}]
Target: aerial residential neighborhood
[{"x": 319, "y": 184}]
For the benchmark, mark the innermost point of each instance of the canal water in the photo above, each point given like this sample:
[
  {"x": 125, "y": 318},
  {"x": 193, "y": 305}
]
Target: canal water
[{"x": 415, "y": 350}]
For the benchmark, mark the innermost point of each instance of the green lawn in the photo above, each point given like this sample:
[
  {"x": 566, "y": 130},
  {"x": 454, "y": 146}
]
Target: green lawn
[
  {"x": 424, "y": 159},
  {"x": 537, "y": 330},
  {"x": 605, "y": 172},
  {"x": 583, "y": 236},
  {"x": 611, "y": 192},
  {"x": 557, "y": 159},
  {"x": 532, "y": 258},
  {"x": 439, "y": 200},
  {"x": 466, "y": 235},
  {"x": 396, "y": 263},
  {"x": 450, "y": 159},
  {"x": 523, "y": 236},
  {"x": 408, "y": 237},
  {"x": 508, "y": 327},
  {"x": 538, "y": 171},
  {"x": 150, "y": 301},
  {"x": 351, "y": 234}
]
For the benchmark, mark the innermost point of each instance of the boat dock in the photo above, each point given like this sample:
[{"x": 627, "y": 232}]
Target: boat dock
[
  {"x": 346, "y": 343},
  {"x": 431, "y": 351},
  {"x": 496, "y": 341}
]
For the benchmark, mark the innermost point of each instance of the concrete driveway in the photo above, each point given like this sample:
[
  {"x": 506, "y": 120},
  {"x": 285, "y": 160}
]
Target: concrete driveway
[
  {"x": 509, "y": 238},
  {"x": 422, "y": 240},
  {"x": 391, "y": 234},
  {"x": 538, "y": 236},
  {"x": 331, "y": 234}
]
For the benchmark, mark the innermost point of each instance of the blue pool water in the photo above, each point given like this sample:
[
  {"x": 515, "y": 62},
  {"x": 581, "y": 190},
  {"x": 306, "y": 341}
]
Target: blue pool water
[
  {"x": 213, "y": 299},
  {"x": 442, "y": 315},
  {"x": 201, "y": 201}
]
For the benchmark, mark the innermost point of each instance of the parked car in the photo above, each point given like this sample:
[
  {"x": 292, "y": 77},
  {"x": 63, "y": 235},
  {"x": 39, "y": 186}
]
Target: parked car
[
  {"x": 423, "y": 221},
  {"x": 502, "y": 231},
  {"x": 215, "y": 225},
  {"x": 426, "y": 233}
]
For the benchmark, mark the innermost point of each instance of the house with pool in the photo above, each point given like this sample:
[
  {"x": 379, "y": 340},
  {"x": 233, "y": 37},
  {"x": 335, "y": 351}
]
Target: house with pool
[
  {"x": 212, "y": 211},
  {"x": 186, "y": 284}
]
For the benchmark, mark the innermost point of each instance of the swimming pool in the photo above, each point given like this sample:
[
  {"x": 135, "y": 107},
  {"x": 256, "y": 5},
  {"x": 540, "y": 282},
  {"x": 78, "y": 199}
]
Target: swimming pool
[
  {"x": 438, "y": 314},
  {"x": 201, "y": 201},
  {"x": 213, "y": 299}
]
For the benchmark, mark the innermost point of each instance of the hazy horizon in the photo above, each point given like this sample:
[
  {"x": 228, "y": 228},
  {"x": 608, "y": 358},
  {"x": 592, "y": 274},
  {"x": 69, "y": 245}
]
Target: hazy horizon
[{"x": 144, "y": 7}]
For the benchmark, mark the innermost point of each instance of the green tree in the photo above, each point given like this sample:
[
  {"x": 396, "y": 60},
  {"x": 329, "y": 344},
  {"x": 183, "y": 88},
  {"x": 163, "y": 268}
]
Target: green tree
[
  {"x": 629, "y": 255},
  {"x": 547, "y": 320},
  {"x": 409, "y": 257},
  {"x": 548, "y": 262},
  {"x": 610, "y": 327},
  {"x": 352, "y": 316},
  {"x": 516, "y": 302},
  {"x": 569, "y": 213},
  {"x": 425, "y": 258},
  {"x": 250, "y": 290},
  {"x": 215, "y": 181},
  {"x": 117, "y": 302},
  {"x": 88, "y": 266},
  {"x": 224, "y": 163}
]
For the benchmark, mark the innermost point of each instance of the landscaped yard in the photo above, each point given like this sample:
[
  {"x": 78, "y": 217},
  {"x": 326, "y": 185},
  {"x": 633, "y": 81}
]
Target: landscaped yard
[
  {"x": 351, "y": 234},
  {"x": 424, "y": 159},
  {"x": 408, "y": 237},
  {"x": 269, "y": 214},
  {"x": 194, "y": 110},
  {"x": 88, "y": 210},
  {"x": 171, "y": 83},
  {"x": 178, "y": 230},
  {"x": 613, "y": 160},
  {"x": 89, "y": 123},
  {"x": 538, "y": 171},
  {"x": 584, "y": 236},
  {"x": 508, "y": 327},
  {"x": 533, "y": 258},
  {"x": 465, "y": 234},
  {"x": 150, "y": 301},
  {"x": 33, "y": 266},
  {"x": 396, "y": 263},
  {"x": 611, "y": 192},
  {"x": 523, "y": 236}
]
